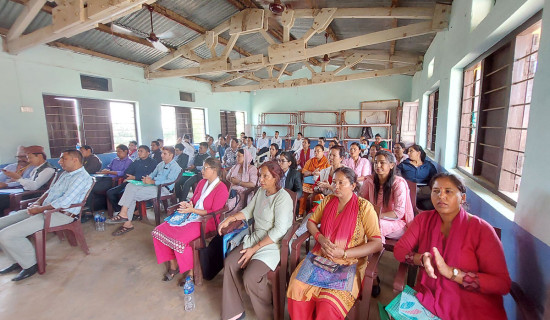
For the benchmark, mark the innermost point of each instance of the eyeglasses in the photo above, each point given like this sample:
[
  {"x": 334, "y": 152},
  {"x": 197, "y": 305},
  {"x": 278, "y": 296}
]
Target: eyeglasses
[
  {"x": 205, "y": 167},
  {"x": 282, "y": 161}
]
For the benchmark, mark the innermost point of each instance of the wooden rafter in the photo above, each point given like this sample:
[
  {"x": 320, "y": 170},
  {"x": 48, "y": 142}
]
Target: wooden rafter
[
  {"x": 71, "y": 18},
  {"x": 373, "y": 13},
  {"x": 318, "y": 78},
  {"x": 295, "y": 51},
  {"x": 394, "y": 4},
  {"x": 25, "y": 18}
]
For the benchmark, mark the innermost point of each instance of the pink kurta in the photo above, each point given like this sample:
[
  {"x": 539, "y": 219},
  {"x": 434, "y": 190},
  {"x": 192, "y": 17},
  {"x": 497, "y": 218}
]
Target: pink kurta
[
  {"x": 400, "y": 204},
  {"x": 172, "y": 242},
  {"x": 471, "y": 246},
  {"x": 362, "y": 167}
]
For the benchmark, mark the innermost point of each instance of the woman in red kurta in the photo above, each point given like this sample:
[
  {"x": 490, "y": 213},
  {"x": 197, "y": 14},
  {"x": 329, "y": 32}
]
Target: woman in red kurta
[
  {"x": 172, "y": 241},
  {"x": 464, "y": 274}
]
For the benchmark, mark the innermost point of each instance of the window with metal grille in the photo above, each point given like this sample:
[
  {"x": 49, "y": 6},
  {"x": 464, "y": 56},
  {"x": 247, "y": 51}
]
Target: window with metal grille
[
  {"x": 432, "y": 119},
  {"x": 199, "y": 126},
  {"x": 495, "y": 111},
  {"x": 187, "y": 96},
  {"x": 228, "y": 122},
  {"x": 95, "y": 83},
  {"x": 101, "y": 124}
]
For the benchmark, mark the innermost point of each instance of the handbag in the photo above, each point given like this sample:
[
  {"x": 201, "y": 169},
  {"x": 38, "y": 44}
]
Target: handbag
[{"x": 211, "y": 256}]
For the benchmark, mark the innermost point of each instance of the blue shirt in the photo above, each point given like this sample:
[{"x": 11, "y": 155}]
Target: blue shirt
[
  {"x": 166, "y": 172},
  {"x": 140, "y": 168},
  {"x": 70, "y": 188},
  {"x": 221, "y": 150},
  {"x": 13, "y": 167},
  {"x": 422, "y": 174}
]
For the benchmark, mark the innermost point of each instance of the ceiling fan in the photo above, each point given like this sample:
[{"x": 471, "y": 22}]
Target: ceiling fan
[{"x": 151, "y": 37}]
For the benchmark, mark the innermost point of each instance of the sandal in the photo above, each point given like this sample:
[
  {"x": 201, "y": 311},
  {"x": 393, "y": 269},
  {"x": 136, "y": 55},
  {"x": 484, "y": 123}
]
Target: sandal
[
  {"x": 170, "y": 274},
  {"x": 122, "y": 230},
  {"x": 116, "y": 219}
]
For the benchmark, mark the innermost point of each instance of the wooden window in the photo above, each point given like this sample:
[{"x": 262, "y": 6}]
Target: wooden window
[
  {"x": 184, "y": 125},
  {"x": 432, "y": 119},
  {"x": 228, "y": 121},
  {"x": 199, "y": 125},
  {"x": 169, "y": 132},
  {"x": 495, "y": 111},
  {"x": 469, "y": 116},
  {"x": 87, "y": 121}
]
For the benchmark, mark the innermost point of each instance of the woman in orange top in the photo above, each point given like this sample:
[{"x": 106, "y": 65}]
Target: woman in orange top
[{"x": 313, "y": 168}]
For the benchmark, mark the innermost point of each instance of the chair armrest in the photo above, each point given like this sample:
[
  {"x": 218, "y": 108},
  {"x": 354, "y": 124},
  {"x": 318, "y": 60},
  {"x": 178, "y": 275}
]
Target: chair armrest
[
  {"x": 295, "y": 252},
  {"x": 205, "y": 220},
  {"x": 232, "y": 227},
  {"x": 171, "y": 209},
  {"x": 24, "y": 204},
  {"x": 374, "y": 259},
  {"x": 400, "y": 277}
]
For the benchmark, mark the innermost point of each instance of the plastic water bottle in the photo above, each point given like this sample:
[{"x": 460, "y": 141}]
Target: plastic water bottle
[
  {"x": 77, "y": 146},
  {"x": 96, "y": 220},
  {"x": 189, "y": 296},
  {"x": 102, "y": 221}
]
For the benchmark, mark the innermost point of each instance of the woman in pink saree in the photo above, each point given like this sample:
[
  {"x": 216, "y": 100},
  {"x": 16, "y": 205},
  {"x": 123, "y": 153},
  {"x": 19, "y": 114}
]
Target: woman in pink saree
[{"x": 463, "y": 274}]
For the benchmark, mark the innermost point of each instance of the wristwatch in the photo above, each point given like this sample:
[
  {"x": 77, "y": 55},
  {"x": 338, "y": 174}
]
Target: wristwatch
[{"x": 455, "y": 274}]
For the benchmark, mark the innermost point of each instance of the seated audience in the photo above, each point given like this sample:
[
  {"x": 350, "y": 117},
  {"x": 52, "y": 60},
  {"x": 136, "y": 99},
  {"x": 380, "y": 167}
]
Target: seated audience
[
  {"x": 21, "y": 167},
  {"x": 166, "y": 171},
  {"x": 246, "y": 267},
  {"x": 399, "y": 152},
  {"x": 69, "y": 188},
  {"x": 132, "y": 150},
  {"x": 332, "y": 143},
  {"x": 229, "y": 158},
  {"x": 181, "y": 157},
  {"x": 305, "y": 153},
  {"x": 373, "y": 149},
  {"x": 262, "y": 144},
  {"x": 324, "y": 186},
  {"x": 391, "y": 193},
  {"x": 171, "y": 239},
  {"x": 378, "y": 142},
  {"x": 419, "y": 170},
  {"x": 292, "y": 177},
  {"x": 161, "y": 143},
  {"x": 322, "y": 141},
  {"x": 212, "y": 149},
  {"x": 156, "y": 151},
  {"x": 42, "y": 173},
  {"x": 274, "y": 151},
  {"x": 242, "y": 176},
  {"x": 91, "y": 162},
  {"x": 277, "y": 140},
  {"x": 463, "y": 271},
  {"x": 116, "y": 169},
  {"x": 297, "y": 145},
  {"x": 364, "y": 145},
  {"x": 361, "y": 166},
  {"x": 250, "y": 147},
  {"x": 137, "y": 170},
  {"x": 189, "y": 149},
  {"x": 185, "y": 183},
  {"x": 313, "y": 168},
  {"x": 349, "y": 232},
  {"x": 242, "y": 140}
]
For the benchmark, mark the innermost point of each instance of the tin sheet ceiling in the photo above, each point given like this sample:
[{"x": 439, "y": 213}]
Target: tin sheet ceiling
[{"x": 209, "y": 14}]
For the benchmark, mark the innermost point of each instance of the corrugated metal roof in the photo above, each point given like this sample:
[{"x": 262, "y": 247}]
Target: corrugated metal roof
[
  {"x": 207, "y": 14},
  {"x": 9, "y": 11}
]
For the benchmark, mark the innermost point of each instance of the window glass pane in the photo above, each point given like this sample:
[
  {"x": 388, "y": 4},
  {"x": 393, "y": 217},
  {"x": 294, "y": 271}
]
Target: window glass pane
[
  {"x": 240, "y": 122},
  {"x": 169, "y": 132},
  {"x": 199, "y": 132},
  {"x": 124, "y": 122}
]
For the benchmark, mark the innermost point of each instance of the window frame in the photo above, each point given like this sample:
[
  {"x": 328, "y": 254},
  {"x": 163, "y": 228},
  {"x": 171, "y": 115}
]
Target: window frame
[
  {"x": 509, "y": 39},
  {"x": 431, "y": 129}
]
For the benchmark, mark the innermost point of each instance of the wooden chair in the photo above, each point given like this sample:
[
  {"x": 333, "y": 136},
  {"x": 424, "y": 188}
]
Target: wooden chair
[
  {"x": 17, "y": 198},
  {"x": 73, "y": 231},
  {"x": 280, "y": 276},
  {"x": 109, "y": 204},
  {"x": 361, "y": 308},
  {"x": 141, "y": 205},
  {"x": 526, "y": 307}
]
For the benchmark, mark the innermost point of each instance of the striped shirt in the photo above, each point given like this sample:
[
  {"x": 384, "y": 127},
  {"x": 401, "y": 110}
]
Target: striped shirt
[{"x": 70, "y": 188}]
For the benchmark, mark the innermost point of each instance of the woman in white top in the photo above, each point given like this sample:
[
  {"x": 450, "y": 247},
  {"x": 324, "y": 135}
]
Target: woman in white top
[
  {"x": 324, "y": 183},
  {"x": 399, "y": 152},
  {"x": 259, "y": 253}
]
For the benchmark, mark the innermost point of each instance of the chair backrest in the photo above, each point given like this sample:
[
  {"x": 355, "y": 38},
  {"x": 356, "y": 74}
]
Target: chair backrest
[
  {"x": 294, "y": 198},
  {"x": 413, "y": 191},
  {"x": 160, "y": 186}
]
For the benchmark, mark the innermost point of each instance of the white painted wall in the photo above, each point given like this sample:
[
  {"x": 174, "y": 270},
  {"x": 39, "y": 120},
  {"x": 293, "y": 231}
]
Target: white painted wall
[
  {"x": 25, "y": 77},
  {"x": 456, "y": 48}
]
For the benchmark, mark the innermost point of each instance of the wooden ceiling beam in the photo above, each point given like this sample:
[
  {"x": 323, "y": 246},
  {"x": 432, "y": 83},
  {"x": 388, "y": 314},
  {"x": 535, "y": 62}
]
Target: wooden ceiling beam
[
  {"x": 46, "y": 7},
  {"x": 107, "y": 29},
  {"x": 295, "y": 51},
  {"x": 25, "y": 18},
  {"x": 174, "y": 16},
  {"x": 416, "y": 13},
  {"x": 275, "y": 28},
  {"x": 318, "y": 78}
]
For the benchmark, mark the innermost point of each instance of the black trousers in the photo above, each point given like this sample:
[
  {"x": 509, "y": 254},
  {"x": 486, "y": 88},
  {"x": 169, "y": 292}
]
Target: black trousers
[
  {"x": 114, "y": 194},
  {"x": 184, "y": 186},
  {"x": 98, "y": 193}
]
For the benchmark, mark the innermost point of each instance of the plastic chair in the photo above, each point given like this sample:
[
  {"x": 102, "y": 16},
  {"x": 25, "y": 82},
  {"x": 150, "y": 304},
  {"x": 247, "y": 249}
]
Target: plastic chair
[
  {"x": 141, "y": 205},
  {"x": 17, "y": 198},
  {"x": 73, "y": 231}
]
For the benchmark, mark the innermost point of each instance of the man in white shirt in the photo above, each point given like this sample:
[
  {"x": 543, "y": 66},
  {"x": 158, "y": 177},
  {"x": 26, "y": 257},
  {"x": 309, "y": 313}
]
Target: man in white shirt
[
  {"x": 189, "y": 149},
  {"x": 277, "y": 140},
  {"x": 297, "y": 146},
  {"x": 262, "y": 142}
]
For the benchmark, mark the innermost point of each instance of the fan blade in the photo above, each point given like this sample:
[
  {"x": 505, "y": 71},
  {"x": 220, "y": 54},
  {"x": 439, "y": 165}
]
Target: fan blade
[
  {"x": 159, "y": 45},
  {"x": 123, "y": 30}
]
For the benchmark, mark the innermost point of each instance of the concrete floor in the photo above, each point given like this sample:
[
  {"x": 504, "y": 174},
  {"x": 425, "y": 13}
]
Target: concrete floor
[{"x": 120, "y": 279}]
